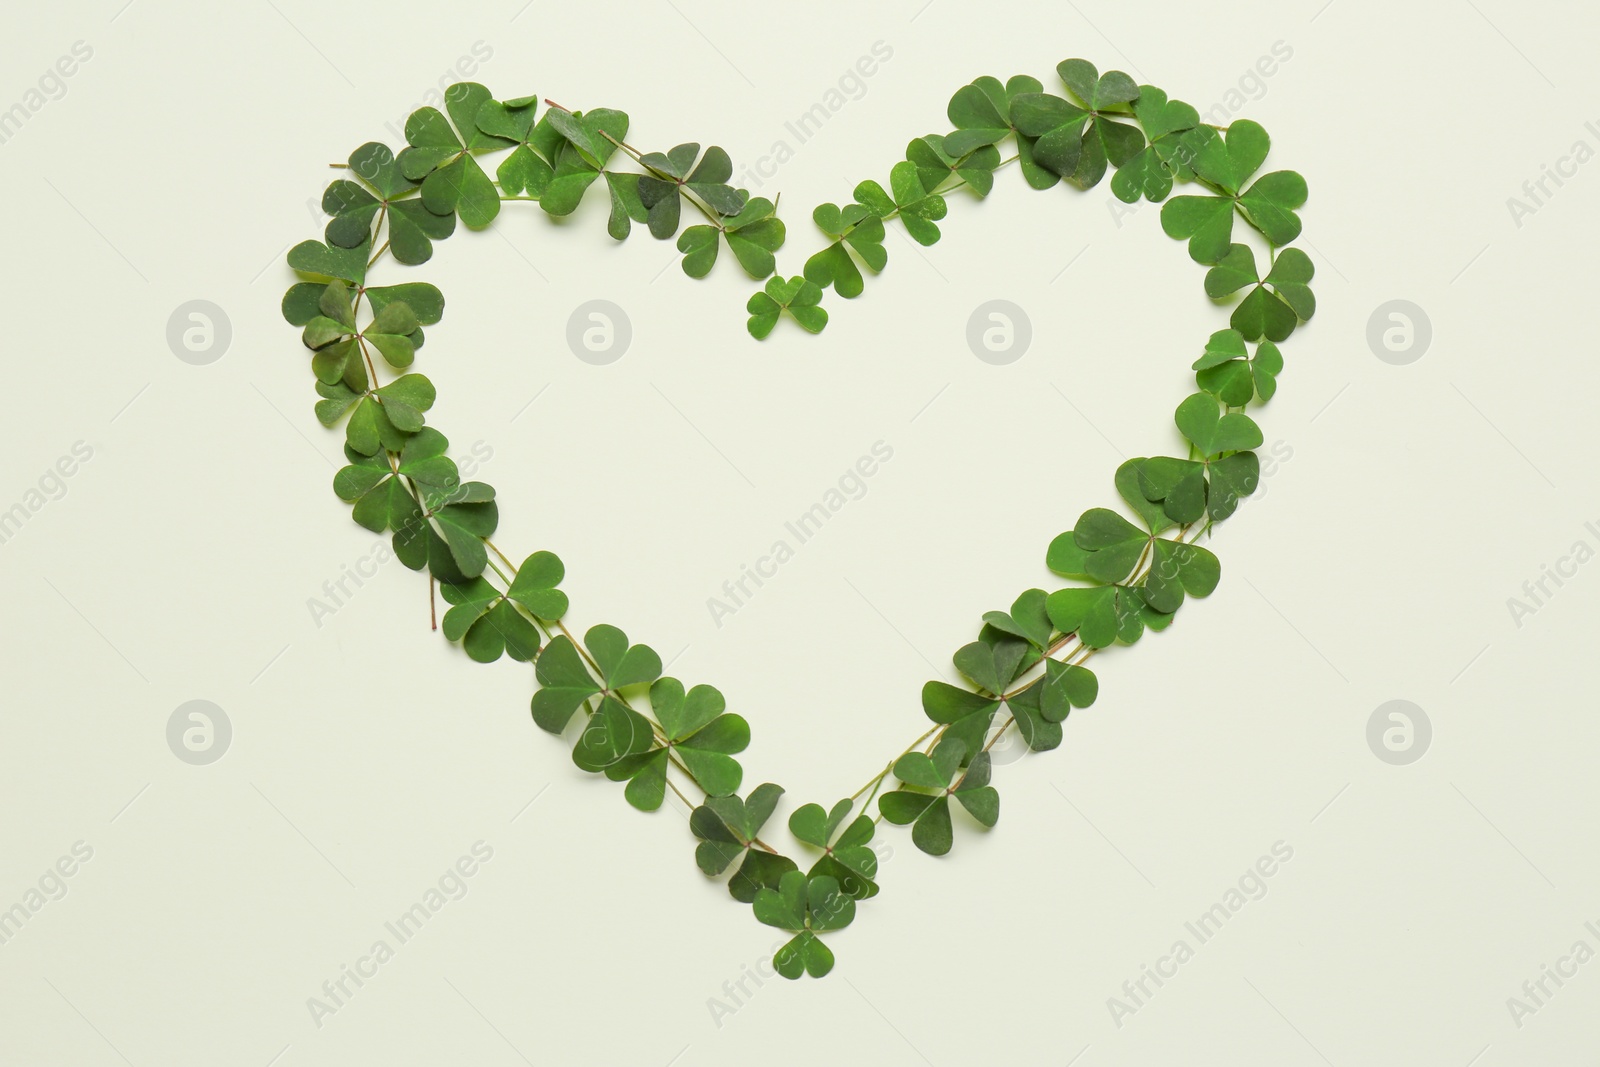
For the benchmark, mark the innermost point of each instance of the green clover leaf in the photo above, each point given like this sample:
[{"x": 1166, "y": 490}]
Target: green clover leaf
[
  {"x": 804, "y": 906},
  {"x": 486, "y": 623},
  {"x": 964, "y": 714},
  {"x": 753, "y": 236},
  {"x": 1177, "y": 569},
  {"x": 1026, "y": 619},
  {"x": 916, "y": 208},
  {"x": 671, "y": 179},
  {"x": 1189, "y": 489},
  {"x": 1149, "y": 173},
  {"x": 564, "y": 684},
  {"x": 935, "y": 779},
  {"x": 442, "y": 156},
  {"x": 935, "y": 164},
  {"x": 535, "y": 586},
  {"x": 1227, "y": 162},
  {"x": 798, "y": 296},
  {"x": 613, "y": 733},
  {"x": 396, "y": 333},
  {"x": 577, "y": 146},
  {"x": 1227, "y": 372},
  {"x": 1077, "y": 140},
  {"x": 1099, "y": 615},
  {"x": 847, "y": 857},
  {"x": 1213, "y": 433},
  {"x": 383, "y": 192},
  {"x": 727, "y": 828},
  {"x": 1112, "y": 546},
  {"x": 698, "y": 733},
  {"x": 857, "y": 228}
]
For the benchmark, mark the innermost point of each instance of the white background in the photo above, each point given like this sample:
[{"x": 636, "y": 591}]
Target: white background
[{"x": 368, "y": 754}]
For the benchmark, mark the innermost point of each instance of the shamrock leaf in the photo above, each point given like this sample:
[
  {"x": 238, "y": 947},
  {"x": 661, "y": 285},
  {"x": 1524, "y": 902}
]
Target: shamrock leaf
[
  {"x": 486, "y": 623},
  {"x": 1099, "y": 615},
  {"x": 368, "y": 430},
  {"x": 395, "y": 332},
  {"x": 593, "y": 134},
  {"x": 753, "y": 236},
  {"x": 564, "y": 684},
  {"x": 379, "y": 495},
  {"x": 982, "y": 113},
  {"x": 1027, "y": 619},
  {"x": 613, "y": 733},
  {"x": 1039, "y": 733},
  {"x": 1189, "y": 489},
  {"x": 424, "y": 300},
  {"x": 916, "y": 208},
  {"x": 701, "y": 736},
  {"x": 457, "y": 550},
  {"x": 661, "y": 192},
  {"x": 994, "y": 661},
  {"x": 422, "y": 459},
  {"x": 854, "y": 227},
  {"x": 331, "y": 261},
  {"x": 965, "y": 715},
  {"x": 805, "y": 906},
  {"x": 626, "y": 208},
  {"x": 1078, "y": 140},
  {"x": 1066, "y": 686},
  {"x": 937, "y": 772},
  {"x": 405, "y": 399},
  {"x": 727, "y": 828},
  {"x": 525, "y": 170},
  {"x": 847, "y": 858},
  {"x": 1270, "y": 313},
  {"x": 1150, "y": 513},
  {"x": 441, "y": 156},
  {"x": 936, "y": 165},
  {"x": 1149, "y": 173},
  {"x": 534, "y": 587},
  {"x": 577, "y": 145},
  {"x": 990, "y": 663},
  {"x": 383, "y": 192},
  {"x": 1177, "y": 569},
  {"x": 457, "y": 517},
  {"x": 1112, "y": 546},
  {"x": 620, "y": 663},
  {"x": 330, "y": 334},
  {"x": 1290, "y": 277},
  {"x": 1270, "y": 205},
  {"x": 1226, "y": 371},
  {"x": 1213, "y": 433},
  {"x": 1229, "y": 158},
  {"x": 1235, "y": 270},
  {"x": 1050, "y": 133},
  {"x": 1227, "y": 162},
  {"x": 798, "y": 296}
]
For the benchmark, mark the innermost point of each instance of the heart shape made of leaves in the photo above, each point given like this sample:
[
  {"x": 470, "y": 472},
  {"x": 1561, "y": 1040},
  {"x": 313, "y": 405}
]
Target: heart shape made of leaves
[{"x": 627, "y": 721}]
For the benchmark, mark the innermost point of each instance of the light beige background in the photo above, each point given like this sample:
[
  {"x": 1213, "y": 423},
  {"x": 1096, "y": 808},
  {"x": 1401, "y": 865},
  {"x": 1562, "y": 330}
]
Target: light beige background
[{"x": 368, "y": 755}]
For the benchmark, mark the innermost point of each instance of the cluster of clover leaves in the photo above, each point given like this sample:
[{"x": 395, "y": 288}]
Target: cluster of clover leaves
[{"x": 1129, "y": 572}]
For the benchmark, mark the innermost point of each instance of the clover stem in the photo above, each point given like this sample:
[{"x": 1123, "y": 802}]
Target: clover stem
[
  {"x": 674, "y": 787},
  {"x": 501, "y": 554}
]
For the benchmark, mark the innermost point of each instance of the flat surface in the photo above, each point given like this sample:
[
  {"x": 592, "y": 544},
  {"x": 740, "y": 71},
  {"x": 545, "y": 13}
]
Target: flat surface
[{"x": 1406, "y": 506}]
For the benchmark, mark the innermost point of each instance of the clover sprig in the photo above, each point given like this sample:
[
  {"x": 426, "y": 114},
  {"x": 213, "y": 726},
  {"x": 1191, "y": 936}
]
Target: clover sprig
[{"x": 1127, "y": 570}]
